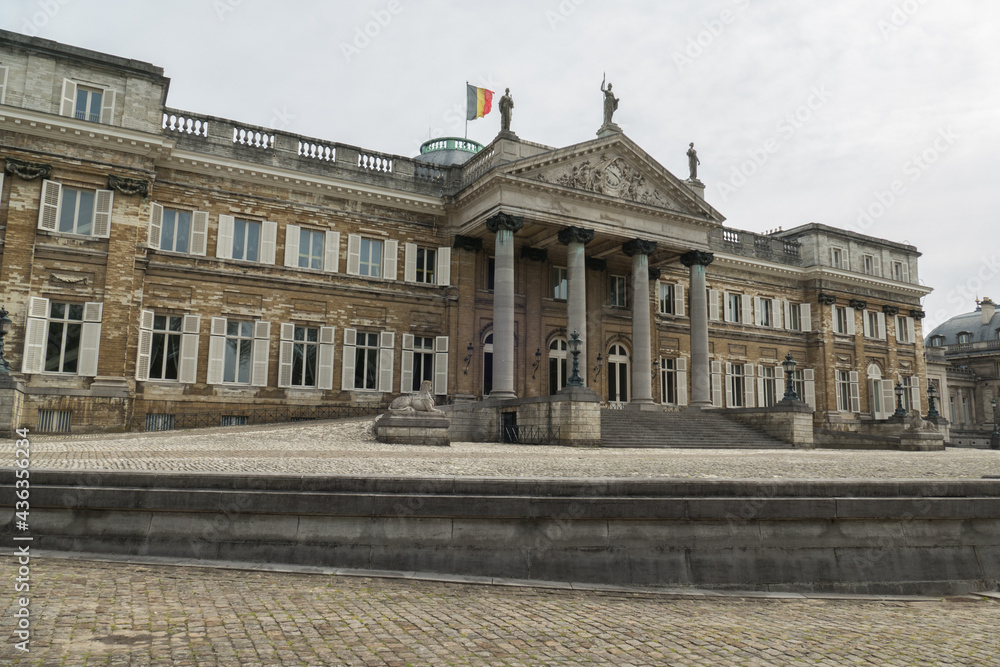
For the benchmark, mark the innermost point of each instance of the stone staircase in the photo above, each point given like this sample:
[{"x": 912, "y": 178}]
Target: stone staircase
[{"x": 703, "y": 430}]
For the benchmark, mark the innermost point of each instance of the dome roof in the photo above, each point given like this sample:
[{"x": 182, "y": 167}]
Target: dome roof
[
  {"x": 446, "y": 151},
  {"x": 969, "y": 323}
]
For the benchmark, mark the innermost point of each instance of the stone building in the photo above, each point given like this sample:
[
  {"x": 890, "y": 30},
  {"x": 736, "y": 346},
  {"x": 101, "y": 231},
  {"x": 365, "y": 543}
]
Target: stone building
[{"x": 160, "y": 262}]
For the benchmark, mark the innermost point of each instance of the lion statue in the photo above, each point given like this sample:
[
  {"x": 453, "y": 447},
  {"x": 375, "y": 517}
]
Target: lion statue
[{"x": 422, "y": 401}]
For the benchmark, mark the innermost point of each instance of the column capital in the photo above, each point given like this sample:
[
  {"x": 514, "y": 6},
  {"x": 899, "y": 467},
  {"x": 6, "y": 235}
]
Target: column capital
[
  {"x": 692, "y": 257},
  {"x": 654, "y": 273},
  {"x": 576, "y": 235},
  {"x": 506, "y": 221},
  {"x": 639, "y": 247}
]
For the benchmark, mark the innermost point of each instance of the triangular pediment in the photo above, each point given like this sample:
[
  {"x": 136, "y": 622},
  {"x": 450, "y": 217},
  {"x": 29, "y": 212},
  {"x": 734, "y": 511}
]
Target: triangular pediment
[{"x": 617, "y": 168}]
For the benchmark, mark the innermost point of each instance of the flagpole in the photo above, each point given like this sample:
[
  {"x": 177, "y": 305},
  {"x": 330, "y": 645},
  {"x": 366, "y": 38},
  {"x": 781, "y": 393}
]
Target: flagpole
[{"x": 467, "y": 110}]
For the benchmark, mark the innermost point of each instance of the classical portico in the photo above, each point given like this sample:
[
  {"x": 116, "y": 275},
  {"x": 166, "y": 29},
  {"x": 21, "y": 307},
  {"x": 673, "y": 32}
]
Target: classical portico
[
  {"x": 701, "y": 391},
  {"x": 575, "y": 239},
  {"x": 504, "y": 226},
  {"x": 642, "y": 357}
]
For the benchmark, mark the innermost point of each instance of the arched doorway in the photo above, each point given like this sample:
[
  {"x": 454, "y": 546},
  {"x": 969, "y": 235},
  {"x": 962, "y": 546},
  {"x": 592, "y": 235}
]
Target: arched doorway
[
  {"x": 875, "y": 402},
  {"x": 487, "y": 365},
  {"x": 557, "y": 365},
  {"x": 618, "y": 375}
]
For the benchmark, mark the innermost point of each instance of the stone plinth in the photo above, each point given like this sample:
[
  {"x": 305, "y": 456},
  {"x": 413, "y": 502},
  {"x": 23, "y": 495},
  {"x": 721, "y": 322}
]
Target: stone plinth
[
  {"x": 11, "y": 404},
  {"x": 407, "y": 429},
  {"x": 608, "y": 129}
]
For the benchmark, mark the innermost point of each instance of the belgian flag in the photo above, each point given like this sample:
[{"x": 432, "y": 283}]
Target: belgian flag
[{"x": 479, "y": 102}]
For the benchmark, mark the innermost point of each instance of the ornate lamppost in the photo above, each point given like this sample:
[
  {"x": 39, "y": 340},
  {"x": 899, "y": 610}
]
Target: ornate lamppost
[
  {"x": 574, "y": 348},
  {"x": 932, "y": 412},
  {"x": 468, "y": 357},
  {"x": 995, "y": 436},
  {"x": 900, "y": 411},
  {"x": 538, "y": 362},
  {"x": 4, "y": 330},
  {"x": 789, "y": 365}
]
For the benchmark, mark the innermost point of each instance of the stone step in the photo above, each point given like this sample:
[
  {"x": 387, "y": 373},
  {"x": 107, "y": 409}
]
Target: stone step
[{"x": 624, "y": 428}]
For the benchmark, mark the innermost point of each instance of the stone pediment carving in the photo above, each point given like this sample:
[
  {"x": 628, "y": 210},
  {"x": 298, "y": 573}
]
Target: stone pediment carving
[{"x": 612, "y": 175}]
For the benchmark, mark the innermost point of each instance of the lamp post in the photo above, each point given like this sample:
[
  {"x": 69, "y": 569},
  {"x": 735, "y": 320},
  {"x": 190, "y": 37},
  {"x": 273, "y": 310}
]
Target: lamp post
[
  {"x": 789, "y": 365},
  {"x": 995, "y": 436},
  {"x": 597, "y": 368},
  {"x": 932, "y": 412},
  {"x": 538, "y": 362},
  {"x": 4, "y": 330},
  {"x": 574, "y": 348},
  {"x": 468, "y": 357},
  {"x": 900, "y": 412}
]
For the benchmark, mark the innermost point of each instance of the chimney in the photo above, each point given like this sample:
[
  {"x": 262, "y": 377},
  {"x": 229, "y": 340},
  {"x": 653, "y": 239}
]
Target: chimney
[{"x": 988, "y": 308}]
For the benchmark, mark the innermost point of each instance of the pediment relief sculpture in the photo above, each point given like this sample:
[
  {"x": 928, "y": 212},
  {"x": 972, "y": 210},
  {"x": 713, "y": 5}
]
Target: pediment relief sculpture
[{"x": 609, "y": 175}]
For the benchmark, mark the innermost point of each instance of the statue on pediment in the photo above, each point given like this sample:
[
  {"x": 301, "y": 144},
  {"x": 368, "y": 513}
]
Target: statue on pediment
[
  {"x": 610, "y": 102},
  {"x": 693, "y": 162}
]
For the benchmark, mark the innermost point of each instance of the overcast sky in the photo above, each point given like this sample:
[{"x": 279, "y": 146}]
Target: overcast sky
[{"x": 801, "y": 111}]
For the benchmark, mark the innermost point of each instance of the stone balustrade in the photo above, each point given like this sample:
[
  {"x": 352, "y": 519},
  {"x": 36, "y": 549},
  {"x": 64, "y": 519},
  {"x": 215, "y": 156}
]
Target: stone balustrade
[{"x": 758, "y": 246}]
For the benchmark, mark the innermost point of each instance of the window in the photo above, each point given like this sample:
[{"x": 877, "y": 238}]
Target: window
[
  {"x": 558, "y": 284},
  {"x": 246, "y": 240},
  {"x": 793, "y": 317},
  {"x": 423, "y": 361},
  {"x": 900, "y": 272},
  {"x": 843, "y": 391},
  {"x": 62, "y": 348},
  {"x": 305, "y": 356},
  {"x": 239, "y": 351},
  {"x": 165, "y": 352},
  {"x": 177, "y": 231},
  {"x": 907, "y": 383},
  {"x": 668, "y": 381},
  {"x": 366, "y": 361},
  {"x": 964, "y": 337},
  {"x": 426, "y": 265},
  {"x": 734, "y": 306},
  {"x": 374, "y": 258},
  {"x": 737, "y": 388},
  {"x": 905, "y": 329},
  {"x": 425, "y": 358},
  {"x": 671, "y": 299},
  {"x": 557, "y": 365},
  {"x": 838, "y": 258},
  {"x": 371, "y": 258},
  {"x": 62, "y": 337},
  {"x": 766, "y": 314},
  {"x": 768, "y": 386},
  {"x": 844, "y": 320},
  {"x": 311, "y": 249},
  {"x": 872, "y": 265},
  {"x": 75, "y": 211},
  {"x": 491, "y": 271},
  {"x": 874, "y": 324},
  {"x": 3, "y": 84},
  {"x": 619, "y": 291},
  {"x": 76, "y": 215},
  {"x": 937, "y": 341},
  {"x": 168, "y": 347},
  {"x": 88, "y": 104},
  {"x": 798, "y": 384}
]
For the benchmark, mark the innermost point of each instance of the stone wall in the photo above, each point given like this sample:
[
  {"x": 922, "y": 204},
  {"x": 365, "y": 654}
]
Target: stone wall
[
  {"x": 791, "y": 423},
  {"x": 11, "y": 405}
]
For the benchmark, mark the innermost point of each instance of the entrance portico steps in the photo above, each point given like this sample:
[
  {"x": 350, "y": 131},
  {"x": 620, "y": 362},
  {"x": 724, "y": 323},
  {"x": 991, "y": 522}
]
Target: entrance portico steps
[{"x": 703, "y": 430}]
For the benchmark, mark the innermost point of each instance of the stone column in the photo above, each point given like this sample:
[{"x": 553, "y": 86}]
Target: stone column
[
  {"x": 575, "y": 238},
  {"x": 642, "y": 358},
  {"x": 504, "y": 226},
  {"x": 701, "y": 372}
]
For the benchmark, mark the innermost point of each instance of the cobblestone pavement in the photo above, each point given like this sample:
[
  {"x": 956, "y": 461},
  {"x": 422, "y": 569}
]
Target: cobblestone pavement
[
  {"x": 95, "y": 613},
  {"x": 348, "y": 448}
]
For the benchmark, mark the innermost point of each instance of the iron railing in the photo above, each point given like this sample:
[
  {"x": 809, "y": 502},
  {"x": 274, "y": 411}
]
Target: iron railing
[
  {"x": 231, "y": 416},
  {"x": 529, "y": 435}
]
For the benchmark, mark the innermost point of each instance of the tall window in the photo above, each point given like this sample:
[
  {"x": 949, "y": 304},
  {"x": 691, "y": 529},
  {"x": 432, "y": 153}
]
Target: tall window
[
  {"x": 165, "y": 354},
  {"x": 869, "y": 267},
  {"x": 737, "y": 385},
  {"x": 557, "y": 365},
  {"x": 246, "y": 240},
  {"x": 798, "y": 384},
  {"x": 793, "y": 321},
  {"x": 491, "y": 272},
  {"x": 62, "y": 352},
  {"x": 311, "y": 248},
  {"x": 907, "y": 383},
  {"x": 559, "y": 286},
  {"x": 239, "y": 352},
  {"x": 766, "y": 314},
  {"x": 666, "y": 299},
  {"x": 423, "y": 361},
  {"x": 668, "y": 381},
  {"x": 735, "y": 310},
  {"x": 426, "y": 265},
  {"x": 840, "y": 326},
  {"x": 844, "y": 391},
  {"x": 77, "y": 213},
  {"x": 619, "y": 291},
  {"x": 366, "y": 361},
  {"x": 900, "y": 272},
  {"x": 904, "y": 329},
  {"x": 872, "y": 324},
  {"x": 305, "y": 353},
  {"x": 769, "y": 397},
  {"x": 838, "y": 258},
  {"x": 88, "y": 104},
  {"x": 175, "y": 232},
  {"x": 371, "y": 258}
]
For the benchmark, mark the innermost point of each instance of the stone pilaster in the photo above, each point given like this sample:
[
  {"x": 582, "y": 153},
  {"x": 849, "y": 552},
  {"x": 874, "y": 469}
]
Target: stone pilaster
[
  {"x": 701, "y": 379},
  {"x": 642, "y": 357},
  {"x": 575, "y": 238},
  {"x": 504, "y": 226}
]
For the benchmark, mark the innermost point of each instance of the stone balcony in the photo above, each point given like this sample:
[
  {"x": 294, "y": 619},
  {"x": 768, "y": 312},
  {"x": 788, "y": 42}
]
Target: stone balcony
[{"x": 758, "y": 246}]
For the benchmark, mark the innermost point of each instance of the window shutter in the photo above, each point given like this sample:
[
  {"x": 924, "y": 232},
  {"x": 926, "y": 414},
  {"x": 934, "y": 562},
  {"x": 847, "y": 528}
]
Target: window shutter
[
  {"x": 108, "y": 106},
  {"x": 406, "y": 365},
  {"x": 268, "y": 242},
  {"x": 777, "y": 314},
  {"x": 906, "y": 272},
  {"x": 747, "y": 304},
  {"x": 48, "y": 209},
  {"x": 391, "y": 247},
  {"x": 285, "y": 353},
  {"x": 805, "y": 316},
  {"x": 855, "y": 393},
  {"x": 68, "y": 106},
  {"x": 915, "y": 394},
  {"x": 713, "y": 305},
  {"x": 261, "y": 350},
  {"x": 760, "y": 385},
  {"x": 3, "y": 84},
  {"x": 852, "y": 327},
  {"x": 682, "y": 381},
  {"x": 90, "y": 338},
  {"x": 441, "y": 364},
  {"x": 779, "y": 384},
  {"x": 353, "y": 257},
  {"x": 757, "y": 319},
  {"x": 748, "y": 400},
  {"x": 444, "y": 269},
  {"x": 324, "y": 379},
  {"x": 145, "y": 345},
  {"x": 729, "y": 385},
  {"x": 347, "y": 360},
  {"x": 877, "y": 263},
  {"x": 410, "y": 262},
  {"x": 809, "y": 382},
  {"x": 727, "y": 307},
  {"x": 199, "y": 233},
  {"x": 224, "y": 242},
  {"x": 866, "y": 326},
  {"x": 190, "y": 328},
  {"x": 35, "y": 333},
  {"x": 717, "y": 384},
  {"x": 888, "y": 398},
  {"x": 291, "y": 251},
  {"x": 386, "y": 357},
  {"x": 102, "y": 213},
  {"x": 679, "y": 300},
  {"x": 217, "y": 350},
  {"x": 786, "y": 309},
  {"x": 331, "y": 260},
  {"x": 155, "y": 225},
  {"x": 911, "y": 330},
  {"x": 881, "y": 325}
]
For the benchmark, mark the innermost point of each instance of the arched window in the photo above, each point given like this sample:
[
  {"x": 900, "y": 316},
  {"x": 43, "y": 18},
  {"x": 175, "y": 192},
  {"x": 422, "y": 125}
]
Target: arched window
[
  {"x": 557, "y": 365},
  {"x": 618, "y": 375},
  {"x": 877, "y": 402}
]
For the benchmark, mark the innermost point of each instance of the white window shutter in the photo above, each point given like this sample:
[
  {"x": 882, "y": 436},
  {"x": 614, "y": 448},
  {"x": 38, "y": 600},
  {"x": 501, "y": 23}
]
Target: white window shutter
[
  {"x": 406, "y": 365},
  {"x": 3, "y": 84},
  {"x": 809, "y": 383},
  {"x": 851, "y": 325},
  {"x": 713, "y": 305},
  {"x": 779, "y": 384},
  {"x": 748, "y": 400},
  {"x": 261, "y": 350},
  {"x": 877, "y": 264},
  {"x": 911, "y": 330},
  {"x": 760, "y": 385},
  {"x": 682, "y": 381},
  {"x": 855, "y": 393},
  {"x": 391, "y": 247},
  {"x": 386, "y": 358},
  {"x": 757, "y": 319},
  {"x": 90, "y": 338},
  {"x": 285, "y": 353},
  {"x": 324, "y": 379},
  {"x": 108, "y": 106},
  {"x": 881, "y": 325},
  {"x": 291, "y": 250},
  {"x": 441, "y": 364},
  {"x": 268, "y": 242},
  {"x": 48, "y": 209},
  {"x": 68, "y": 105},
  {"x": 786, "y": 309},
  {"x": 727, "y": 307},
  {"x": 102, "y": 213},
  {"x": 888, "y": 398},
  {"x": 155, "y": 225},
  {"x": 906, "y": 272},
  {"x": 331, "y": 251},
  {"x": 217, "y": 350},
  {"x": 224, "y": 242},
  {"x": 915, "y": 394},
  {"x": 805, "y": 316},
  {"x": 679, "y": 300},
  {"x": 729, "y": 385},
  {"x": 444, "y": 268},
  {"x": 190, "y": 327},
  {"x": 145, "y": 345},
  {"x": 347, "y": 360},
  {"x": 199, "y": 233},
  {"x": 777, "y": 314},
  {"x": 35, "y": 333},
  {"x": 747, "y": 304},
  {"x": 353, "y": 257},
  {"x": 717, "y": 384},
  {"x": 410, "y": 262},
  {"x": 866, "y": 326}
]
